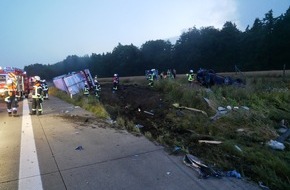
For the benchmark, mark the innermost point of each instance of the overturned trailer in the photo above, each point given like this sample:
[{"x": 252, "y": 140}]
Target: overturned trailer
[
  {"x": 73, "y": 83},
  {"x": 209, "y": 78}
]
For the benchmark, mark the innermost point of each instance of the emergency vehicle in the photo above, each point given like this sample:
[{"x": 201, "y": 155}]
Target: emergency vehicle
[{"x": 19, "y": 78}]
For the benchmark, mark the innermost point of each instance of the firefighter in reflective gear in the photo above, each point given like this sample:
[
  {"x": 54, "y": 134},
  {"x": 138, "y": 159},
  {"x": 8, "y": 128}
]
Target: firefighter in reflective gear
[
  {"x": 86, "y": 90},
  {"x": 190, "y": 77},
  {"x": 44, "y": 89},
  {"x": 37, "y": 97},
  {"x": 115, "y": 82},
  {"x": 151, "y": 78},
  {"x": 10, "y": 98},
  {"x": 97, "y": 89}
]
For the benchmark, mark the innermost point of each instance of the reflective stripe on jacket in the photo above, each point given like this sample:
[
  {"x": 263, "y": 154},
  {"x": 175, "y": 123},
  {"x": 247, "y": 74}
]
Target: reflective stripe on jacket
[{"x": 37, "y": 91}]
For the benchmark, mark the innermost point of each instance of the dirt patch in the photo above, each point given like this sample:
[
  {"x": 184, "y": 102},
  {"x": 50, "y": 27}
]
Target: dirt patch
[
  {"x": 139, "y": 104},
  {"x": 147, "y": 107}
]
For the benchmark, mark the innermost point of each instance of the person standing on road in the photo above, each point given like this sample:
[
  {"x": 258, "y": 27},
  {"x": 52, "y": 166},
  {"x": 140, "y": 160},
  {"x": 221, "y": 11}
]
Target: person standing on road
[
  {"x": 10, "y": 98},
  {"x": 37, "y": 97},
  {"x": 115, "y": 82}
]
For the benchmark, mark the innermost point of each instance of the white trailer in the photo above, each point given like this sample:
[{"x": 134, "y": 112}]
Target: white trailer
[{"x": 74, "y": 82}]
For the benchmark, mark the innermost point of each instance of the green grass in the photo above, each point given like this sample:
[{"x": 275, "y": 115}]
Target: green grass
[
  {"x": 267, "y": 97},
  {"x": 90, "y": 104}
]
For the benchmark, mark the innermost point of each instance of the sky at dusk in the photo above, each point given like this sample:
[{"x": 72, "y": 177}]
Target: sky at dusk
[{"x": 46, "y": 32}]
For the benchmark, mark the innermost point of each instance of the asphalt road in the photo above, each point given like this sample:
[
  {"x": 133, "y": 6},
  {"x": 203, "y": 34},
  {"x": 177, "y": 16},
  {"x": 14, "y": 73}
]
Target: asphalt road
[{"x": 39, "y": 152}]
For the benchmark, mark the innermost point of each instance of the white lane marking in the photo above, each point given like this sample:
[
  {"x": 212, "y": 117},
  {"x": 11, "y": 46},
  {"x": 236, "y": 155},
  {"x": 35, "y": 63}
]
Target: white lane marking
[{"x": 29, "y": 174}]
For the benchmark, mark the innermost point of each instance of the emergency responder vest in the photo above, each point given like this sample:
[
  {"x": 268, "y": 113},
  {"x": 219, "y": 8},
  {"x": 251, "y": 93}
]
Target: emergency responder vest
[
  {"x": 151, "y": 77},
  {"x": 190, "y": 77},
  {"x": 86, "y": 90},
  {"x": 37, "y": 90},
  {"x": 10, "y": 90},
  {"x": 98, "y": 87}
]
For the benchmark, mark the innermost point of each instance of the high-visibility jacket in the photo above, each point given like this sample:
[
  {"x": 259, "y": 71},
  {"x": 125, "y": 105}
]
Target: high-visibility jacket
[
  {"x": 37, "y": 90},
  {"x": 151, "y": 77},
  {"x": 86, "y": 90},
  {"x": 190, "y": 77},
  {"x": 98, "y": 87},
  {"x": 10, "y": 90}
]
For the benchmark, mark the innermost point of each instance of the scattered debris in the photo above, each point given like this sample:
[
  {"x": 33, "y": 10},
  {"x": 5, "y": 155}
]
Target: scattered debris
[
  {"x": 284, "y": 136},
  {"x": 233, "y": 173},
  {"x": 238, "y": 148},
  {"x": 79, "y": 148},
  {"x": 236, "y": 108},
  {"x": 110, "y": 121},
  {"x": 150, "y": 113},
  {"x": 191, "y": 109},
  {"x": 220, "y": 112},
  {"x": 176, "y": 150},
  {"x": 245, "y": 108},
  {"x": 276, "y": 145},
  {"x": 209, "y": 103},
  {"x": 139, "y": 126},
  {"x": 203, "y": 170},
  {"x": 222, "y": 109},
  {"x": 263, "y": 186},
  {"x": 209, "y": 142},
  {"x": 229, "y": 107}
]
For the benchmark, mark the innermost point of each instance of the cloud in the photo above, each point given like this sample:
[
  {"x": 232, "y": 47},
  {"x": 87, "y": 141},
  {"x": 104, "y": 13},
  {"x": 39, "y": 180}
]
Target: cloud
[{"x": 214, "y": 13}]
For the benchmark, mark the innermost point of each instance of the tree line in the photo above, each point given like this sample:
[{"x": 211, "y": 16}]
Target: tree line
[{"x": 263, "y": 46}]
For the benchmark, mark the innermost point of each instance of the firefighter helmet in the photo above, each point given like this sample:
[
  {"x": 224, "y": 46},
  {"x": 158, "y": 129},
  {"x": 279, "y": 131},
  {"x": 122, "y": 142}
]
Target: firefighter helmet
[{"x": 37, "y": 78}]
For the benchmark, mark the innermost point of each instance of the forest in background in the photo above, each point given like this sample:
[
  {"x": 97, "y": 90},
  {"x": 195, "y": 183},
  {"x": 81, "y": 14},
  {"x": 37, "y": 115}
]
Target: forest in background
[{"x": 263, "y": 46}]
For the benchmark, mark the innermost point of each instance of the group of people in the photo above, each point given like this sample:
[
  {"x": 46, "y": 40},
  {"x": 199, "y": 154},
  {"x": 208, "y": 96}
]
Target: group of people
[
  {"x": 152, "y": 75},
  {"x": 171, "y": 74},
  {"x": 39, "y": 92},
  {"x": 97, "y": 86}
]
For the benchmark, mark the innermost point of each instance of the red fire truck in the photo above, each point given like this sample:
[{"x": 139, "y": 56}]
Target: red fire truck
[{"x": 19, "y": 78}]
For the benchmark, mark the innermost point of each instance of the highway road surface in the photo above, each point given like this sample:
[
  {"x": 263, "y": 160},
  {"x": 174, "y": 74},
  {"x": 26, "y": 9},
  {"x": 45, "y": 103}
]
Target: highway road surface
[{"x": 67, "y": 148}]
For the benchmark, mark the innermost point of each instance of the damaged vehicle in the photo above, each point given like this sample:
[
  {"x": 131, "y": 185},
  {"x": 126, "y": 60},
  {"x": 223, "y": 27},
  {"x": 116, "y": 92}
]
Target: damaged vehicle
[{"x": 209, "y": 78}]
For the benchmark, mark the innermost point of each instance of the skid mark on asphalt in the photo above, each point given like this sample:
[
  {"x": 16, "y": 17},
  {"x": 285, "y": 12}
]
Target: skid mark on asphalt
[{"x": 29, "y": 174}]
